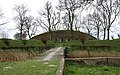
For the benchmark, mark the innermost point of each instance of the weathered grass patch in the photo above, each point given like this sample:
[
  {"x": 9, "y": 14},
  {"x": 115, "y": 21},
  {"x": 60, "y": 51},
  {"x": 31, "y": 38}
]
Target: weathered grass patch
[
  {"x": 14, "y": 56},
  {"x": 85, "y": 53},
  {"x": 77, "y": 69},
  {"x": 32, "y": 67}
]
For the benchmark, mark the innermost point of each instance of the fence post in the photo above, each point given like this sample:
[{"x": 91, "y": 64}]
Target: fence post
[{"x": 65, "y": 52}]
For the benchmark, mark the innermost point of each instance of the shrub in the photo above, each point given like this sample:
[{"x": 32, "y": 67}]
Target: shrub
[{"x": 50, "y": 43}]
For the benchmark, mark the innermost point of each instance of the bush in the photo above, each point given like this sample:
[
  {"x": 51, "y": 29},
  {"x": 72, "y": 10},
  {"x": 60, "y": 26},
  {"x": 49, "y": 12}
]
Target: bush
[{"x": 50, "y": 43}]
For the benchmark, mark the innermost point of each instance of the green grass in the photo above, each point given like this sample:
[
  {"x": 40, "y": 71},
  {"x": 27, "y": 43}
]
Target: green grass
[
  {"x": 15, "y": 43},
  {"x": 34, "y": 43},
  {"x": 113, "y": 43},
  {"x": 77, "y": 69},
  {"x": 32, "y": 67},
  {"x": 19, "y": 43}
]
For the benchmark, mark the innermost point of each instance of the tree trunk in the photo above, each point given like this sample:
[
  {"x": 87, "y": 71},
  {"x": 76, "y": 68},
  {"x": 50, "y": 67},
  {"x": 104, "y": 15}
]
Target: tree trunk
[
  {"x": 21, "y": 31},
  {"x": 104, "y": 33},
  {"x": 108, "y": 34},
  {"x": 50, "y": 35},
  {"x": 29, "y": 35},
  {"x": 98, "y": 33}
]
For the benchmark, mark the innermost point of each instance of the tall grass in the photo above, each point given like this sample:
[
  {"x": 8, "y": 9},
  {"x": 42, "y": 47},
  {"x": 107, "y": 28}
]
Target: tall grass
[
  {"x": 14, "y": 56},
  {"x": 85, "y": 53}
]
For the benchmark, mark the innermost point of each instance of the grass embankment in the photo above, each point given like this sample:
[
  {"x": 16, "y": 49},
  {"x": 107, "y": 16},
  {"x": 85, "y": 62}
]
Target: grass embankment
[
  {"x": 32, "y": 67},
  {"x": 115, "y": 44},
  {"x": 78, "y": 69},
  {"x": 73, "y": 68},
  {"x": 97, "y": 51},
  {"x": 20, "y": 43},
  {"x": 18, "y": 50}
]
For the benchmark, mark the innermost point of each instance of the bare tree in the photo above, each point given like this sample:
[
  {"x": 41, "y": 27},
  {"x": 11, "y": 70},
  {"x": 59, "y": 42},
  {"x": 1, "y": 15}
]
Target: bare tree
[
  {"x": 65, "y": 23},
  {"x": 97, "y": 22},
  {"x": 1, "y": 17},
  {"x": 18, "y": 36},
  {"x": 30, "y": 26},
  {"x": 4, "y": 34},
  {"x": 118, "y": 36},
  {"x": 110, "y": 9},
  {"x": 76, "y": 23},
  {"x": 87, "y": 24},
  {"x": 69, "y": 7},
  {"x": 48, "y": 19},
  {"x": 21, "y": 13},
  {"x": 103, "y": 19}
]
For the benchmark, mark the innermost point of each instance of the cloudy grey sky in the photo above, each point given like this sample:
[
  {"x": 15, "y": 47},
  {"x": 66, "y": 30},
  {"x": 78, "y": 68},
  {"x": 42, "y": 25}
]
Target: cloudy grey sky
[{"x": 7, "y": 8}]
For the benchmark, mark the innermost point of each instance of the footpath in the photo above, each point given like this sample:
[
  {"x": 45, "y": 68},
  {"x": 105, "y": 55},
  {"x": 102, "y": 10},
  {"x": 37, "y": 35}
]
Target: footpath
[{"x": 54, "y": 54}]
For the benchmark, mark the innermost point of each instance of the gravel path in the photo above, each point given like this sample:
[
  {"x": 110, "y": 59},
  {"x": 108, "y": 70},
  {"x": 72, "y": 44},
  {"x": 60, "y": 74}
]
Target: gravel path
[{"x": 52, "y": 54}]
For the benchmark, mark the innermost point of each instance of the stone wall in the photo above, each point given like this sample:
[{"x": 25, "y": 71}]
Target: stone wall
[{"x": 97, "y": 61}]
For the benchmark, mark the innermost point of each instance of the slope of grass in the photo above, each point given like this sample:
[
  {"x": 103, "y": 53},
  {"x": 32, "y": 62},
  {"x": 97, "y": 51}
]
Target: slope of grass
[
  {"x": 15, "y": 43},
  {"x": 74, "y": 42},
  {"x": 2, "y": 44},
  {"x": 34, "y": 43},
  {"x": 20, "y": 43},
  {"x": 29, "y": 68},
  {"x": 97, "y": 49},
  {"x": 115, "y": 44},
  {"x": 77, "y": 69}
]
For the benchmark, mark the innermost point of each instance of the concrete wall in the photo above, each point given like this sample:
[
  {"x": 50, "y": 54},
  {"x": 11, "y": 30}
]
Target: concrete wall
[{"x": 97, "y": 61}]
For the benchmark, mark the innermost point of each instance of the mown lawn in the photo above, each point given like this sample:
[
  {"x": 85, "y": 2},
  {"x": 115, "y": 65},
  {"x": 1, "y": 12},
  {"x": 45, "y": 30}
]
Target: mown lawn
[
  {"x": 31, "y": 67},
  {"x": 77, "y": 69}
]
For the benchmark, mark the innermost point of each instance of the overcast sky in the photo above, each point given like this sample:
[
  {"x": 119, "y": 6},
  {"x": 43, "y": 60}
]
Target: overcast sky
[{"x": 7, "y": 8}]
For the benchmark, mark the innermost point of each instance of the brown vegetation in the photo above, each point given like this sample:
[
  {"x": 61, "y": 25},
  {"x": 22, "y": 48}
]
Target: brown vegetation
[
  {"x": 21, "y": 53},
  {"x": 15, "y": 56},
  {"x": 85, "y": 53}
]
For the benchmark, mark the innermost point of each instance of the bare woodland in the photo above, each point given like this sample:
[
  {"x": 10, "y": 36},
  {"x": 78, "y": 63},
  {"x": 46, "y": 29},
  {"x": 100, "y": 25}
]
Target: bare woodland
[{"x": 67, "y": 15}]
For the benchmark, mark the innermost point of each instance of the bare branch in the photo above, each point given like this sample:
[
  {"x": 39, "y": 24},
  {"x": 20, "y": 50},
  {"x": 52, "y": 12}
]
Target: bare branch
[{"x": 21, "y": 13}]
